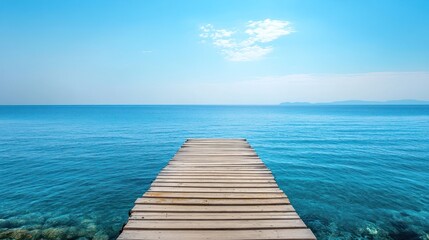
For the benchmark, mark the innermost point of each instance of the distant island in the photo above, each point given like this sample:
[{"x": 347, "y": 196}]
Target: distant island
[{"x": 361, "y": 102}]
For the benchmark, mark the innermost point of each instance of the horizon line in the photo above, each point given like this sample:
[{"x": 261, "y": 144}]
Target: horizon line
[{"x": 214, "y": 105}]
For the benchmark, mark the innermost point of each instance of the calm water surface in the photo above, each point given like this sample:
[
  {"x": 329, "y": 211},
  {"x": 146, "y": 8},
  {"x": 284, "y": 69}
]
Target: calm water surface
[{"x": 352, "y": 172}]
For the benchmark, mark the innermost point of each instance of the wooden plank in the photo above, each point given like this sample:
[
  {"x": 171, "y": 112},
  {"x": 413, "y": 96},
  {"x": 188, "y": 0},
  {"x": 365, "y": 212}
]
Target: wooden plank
[
  {"x": 221, "y": 162},
  {"x": 244, "y": 154},
  {"x": 200, "y": 159},
  {"x": 216, "y": 153},
  {"x": 215, "y": 146},
  {"x": 213, "y": 215},
  {"x": 216, "y": 185},
  {"x": 211, "y": 172},
  {"x": 266, "y": 234},
  {"x": 242, "y": 177},
  {"x": 216, "y": 140},
  {"x": 204, "y": 158},
  {"x": 198, "y": 146},
  {"x": 213, "y": 189},
  {"x": 210, "y": 168},
  {"x": 175, "y": 166},
  {"x": 211, "y": 156},
  {"x": 216, "y": 160},
  {"x": 213, "y": 143},
  {"x": 214, "y": 224},
  {"x": 211, "y": 152},
  {"x": 214, "y": 195},
  {"x": 209, "y": 159},
  {"x": 217, "y": 180},
  {"x": 219, "y": 149},
  {"x": 215, "y": 174},
  {"x": 209, "y": 201},
  {"x": 231, "y": 165},
  {"x": 216, "y": 170},
  {"x": 212, "y": 208}
]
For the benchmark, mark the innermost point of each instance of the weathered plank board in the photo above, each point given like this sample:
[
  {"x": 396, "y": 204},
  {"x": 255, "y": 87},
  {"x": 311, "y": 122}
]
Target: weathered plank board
[
  {"x": 216, "y": 185},
  {"x": 214, "y": 216},
  {"x": 211, "y": 208},
  {"x": 266, "y": 234},
  {"x": 231, "y": 181},
  {"x": 215, "y": 189},
  {"x": 214, "y": 224},
  {"x": 214, "y": 195},
  {"x": 211, "y": 201}
]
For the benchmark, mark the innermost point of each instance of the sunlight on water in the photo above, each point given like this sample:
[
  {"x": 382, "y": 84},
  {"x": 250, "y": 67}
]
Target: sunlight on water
[{"x": 351, "y": 172}]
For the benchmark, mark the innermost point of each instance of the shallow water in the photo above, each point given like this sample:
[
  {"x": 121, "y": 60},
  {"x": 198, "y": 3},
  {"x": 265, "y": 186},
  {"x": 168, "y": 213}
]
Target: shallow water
[{"x": 352, "y": 172}]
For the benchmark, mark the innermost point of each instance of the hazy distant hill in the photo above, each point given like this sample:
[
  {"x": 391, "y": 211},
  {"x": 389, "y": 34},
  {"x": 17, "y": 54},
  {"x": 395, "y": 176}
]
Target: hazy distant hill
[{"x": 360, "y": 102}]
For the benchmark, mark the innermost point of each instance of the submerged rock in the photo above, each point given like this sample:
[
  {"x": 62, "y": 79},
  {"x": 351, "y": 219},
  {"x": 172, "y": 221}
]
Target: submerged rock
[
  {"x": 54, "y": 233},
  {"x": 72, "y": 233},
  {"x": 36, "y": 234},
  {"x": 59, "y": 221},
  {"x": 91, "y": 229},
  {"x": 372, "y": 230},
  {"x": 16, "y": 234}
]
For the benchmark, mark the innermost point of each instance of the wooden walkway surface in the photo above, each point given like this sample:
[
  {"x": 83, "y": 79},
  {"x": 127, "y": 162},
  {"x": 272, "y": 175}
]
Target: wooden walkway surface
[{"x": 215, "y": 189}]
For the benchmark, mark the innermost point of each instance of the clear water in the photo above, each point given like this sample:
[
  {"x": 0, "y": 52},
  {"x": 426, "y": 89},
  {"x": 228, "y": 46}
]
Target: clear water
[{"x": 73, "y": 172}]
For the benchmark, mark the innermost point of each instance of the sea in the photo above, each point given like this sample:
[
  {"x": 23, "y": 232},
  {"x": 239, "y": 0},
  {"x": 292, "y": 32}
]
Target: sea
[{"x": 351, "y": 172}]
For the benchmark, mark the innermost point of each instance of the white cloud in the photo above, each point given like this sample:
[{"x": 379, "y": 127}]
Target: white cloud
[
  {"x": 225, "y": 43},
  {"x": 208, "y": 31},
  {"x": 268, "y": 30},
  {"x": 253, "y": 45}
]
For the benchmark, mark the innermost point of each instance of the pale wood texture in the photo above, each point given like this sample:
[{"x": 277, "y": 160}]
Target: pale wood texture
[{"x": 215, "y": 189}]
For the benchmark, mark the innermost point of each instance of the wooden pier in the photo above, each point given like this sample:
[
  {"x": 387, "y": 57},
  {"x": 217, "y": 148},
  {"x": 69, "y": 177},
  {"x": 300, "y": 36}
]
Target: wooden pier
[{"x": 215, "y": 189}]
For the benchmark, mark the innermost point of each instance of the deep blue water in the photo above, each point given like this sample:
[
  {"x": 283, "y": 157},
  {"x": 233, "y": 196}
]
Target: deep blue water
[{"x": 352, "y": 172}]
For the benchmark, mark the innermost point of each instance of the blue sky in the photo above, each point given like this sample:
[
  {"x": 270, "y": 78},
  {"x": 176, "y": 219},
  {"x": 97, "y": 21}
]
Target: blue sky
[{"x": 212, "y": 52}]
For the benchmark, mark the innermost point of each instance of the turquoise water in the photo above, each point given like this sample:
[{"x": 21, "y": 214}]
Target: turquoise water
[{"x": 352, "y": 172}]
